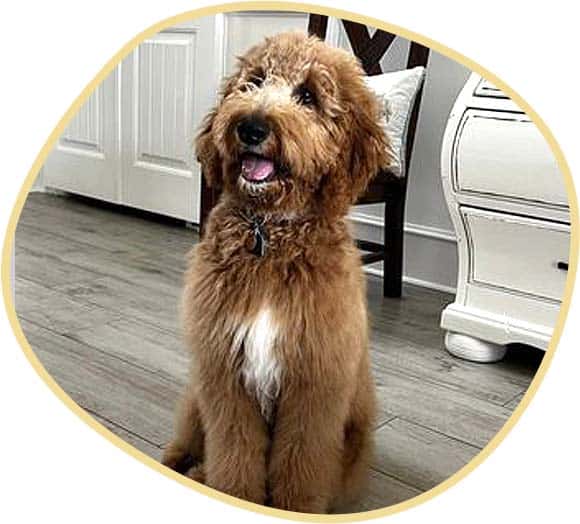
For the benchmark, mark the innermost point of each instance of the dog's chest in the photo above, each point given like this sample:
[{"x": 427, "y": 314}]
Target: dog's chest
[{"x": 260, "y": 369}]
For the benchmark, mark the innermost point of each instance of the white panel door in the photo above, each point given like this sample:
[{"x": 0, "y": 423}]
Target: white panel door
[
  {"x": 166, "y": 85},
  {"x": 85, "y": 159}
]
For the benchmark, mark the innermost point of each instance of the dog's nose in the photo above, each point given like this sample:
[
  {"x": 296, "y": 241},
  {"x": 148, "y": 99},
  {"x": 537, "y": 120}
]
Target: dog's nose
[{"x": 252, "y": 130}]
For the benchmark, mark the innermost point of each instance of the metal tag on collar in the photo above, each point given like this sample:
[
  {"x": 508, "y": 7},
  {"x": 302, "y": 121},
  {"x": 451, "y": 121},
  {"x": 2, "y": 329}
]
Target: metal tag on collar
[{"x": 260, "y": 241}]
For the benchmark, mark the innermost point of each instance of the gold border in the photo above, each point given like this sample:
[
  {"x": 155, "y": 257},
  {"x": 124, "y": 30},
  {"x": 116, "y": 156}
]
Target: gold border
[{"x": 290, "y": 6}]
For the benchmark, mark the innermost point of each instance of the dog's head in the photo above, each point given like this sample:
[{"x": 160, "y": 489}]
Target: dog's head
[{"x": 296, "y": 130}]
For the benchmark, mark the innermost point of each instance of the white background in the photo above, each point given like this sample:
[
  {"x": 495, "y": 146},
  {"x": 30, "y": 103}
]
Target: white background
[{"x": 54, "y": 467}]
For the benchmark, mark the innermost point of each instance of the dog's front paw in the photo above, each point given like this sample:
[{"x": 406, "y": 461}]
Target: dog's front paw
[
  {"x": 197, "y": 473},
  {"x": 177, "y": 458}
]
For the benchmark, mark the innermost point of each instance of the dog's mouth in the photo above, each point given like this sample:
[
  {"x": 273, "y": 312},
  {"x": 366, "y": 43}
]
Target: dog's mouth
[{"x": 257, "y": 169}]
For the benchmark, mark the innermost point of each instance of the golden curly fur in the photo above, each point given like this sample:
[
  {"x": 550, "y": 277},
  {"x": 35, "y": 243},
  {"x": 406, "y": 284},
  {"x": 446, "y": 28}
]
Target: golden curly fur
[{"x": 281, "y": 401}]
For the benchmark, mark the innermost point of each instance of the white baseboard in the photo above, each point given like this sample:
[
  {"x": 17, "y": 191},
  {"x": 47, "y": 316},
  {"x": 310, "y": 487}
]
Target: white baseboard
[
  {"x": 378, "y": 272},
  {"x": 409, "y": 228},
  {"x": 430, "y": 252}
]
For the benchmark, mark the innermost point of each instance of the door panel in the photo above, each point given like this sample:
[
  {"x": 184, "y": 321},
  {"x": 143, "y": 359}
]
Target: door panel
[
  {"x": 157, "y": 124},
  {"x": 85, "y": 158},
  {"x": 161, "y": 80}
]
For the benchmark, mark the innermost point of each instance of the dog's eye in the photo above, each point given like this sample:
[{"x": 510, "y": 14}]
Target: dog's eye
[{"x": 305, "y": 96}]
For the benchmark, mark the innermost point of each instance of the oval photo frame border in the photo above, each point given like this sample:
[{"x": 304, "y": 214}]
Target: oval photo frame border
[{"x": 204, "y": 490}]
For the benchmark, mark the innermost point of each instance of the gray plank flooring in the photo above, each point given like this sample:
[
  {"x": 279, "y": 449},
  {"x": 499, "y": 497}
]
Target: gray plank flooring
[{"x": 97, "y": 294}]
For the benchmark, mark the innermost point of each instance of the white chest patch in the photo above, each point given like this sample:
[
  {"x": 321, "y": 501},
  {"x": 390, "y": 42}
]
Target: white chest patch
[{"x": 260, "y": 368}]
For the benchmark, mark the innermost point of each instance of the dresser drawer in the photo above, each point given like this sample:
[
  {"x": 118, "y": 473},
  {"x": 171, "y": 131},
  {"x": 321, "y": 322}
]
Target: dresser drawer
[
  {"x": 505, "y": 155},
  {"x": 516, "y": 253}
]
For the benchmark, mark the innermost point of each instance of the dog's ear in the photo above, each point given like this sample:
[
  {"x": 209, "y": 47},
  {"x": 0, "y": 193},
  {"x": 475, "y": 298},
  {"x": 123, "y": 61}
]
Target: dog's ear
[
  {"x": 364, "y": 148},
  {"x": 369, "y": 147},
  {"x": 207, "y": 153}
]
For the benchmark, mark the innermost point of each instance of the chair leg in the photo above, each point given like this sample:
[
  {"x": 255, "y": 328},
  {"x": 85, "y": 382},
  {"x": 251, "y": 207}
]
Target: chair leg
[{"x": 393, "y": 254}]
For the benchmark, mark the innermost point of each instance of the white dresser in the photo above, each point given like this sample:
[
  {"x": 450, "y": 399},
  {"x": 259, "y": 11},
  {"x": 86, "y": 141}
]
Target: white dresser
[{"x": 509, "y": 208}]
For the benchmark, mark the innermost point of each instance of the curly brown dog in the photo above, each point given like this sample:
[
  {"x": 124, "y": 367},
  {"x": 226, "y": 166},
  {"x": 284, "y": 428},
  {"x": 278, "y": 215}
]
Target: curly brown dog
[{"x": 281, "y": 402}]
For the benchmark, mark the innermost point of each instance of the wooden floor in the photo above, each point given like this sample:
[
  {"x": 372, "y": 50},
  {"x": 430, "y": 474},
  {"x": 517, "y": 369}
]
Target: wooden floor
[{"x": 97, "y": 292}]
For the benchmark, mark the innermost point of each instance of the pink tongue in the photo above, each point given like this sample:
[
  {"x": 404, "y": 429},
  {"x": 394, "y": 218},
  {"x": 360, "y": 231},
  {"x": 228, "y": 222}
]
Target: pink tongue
[{"x": 255, "y": 168}]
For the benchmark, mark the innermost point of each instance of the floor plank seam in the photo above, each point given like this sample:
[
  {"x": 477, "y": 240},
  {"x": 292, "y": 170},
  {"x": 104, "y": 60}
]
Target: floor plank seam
[
  {"x": 405, "y": 373},
  {"x": 159, "y": 373},
  {"x": 144, "y": 254},
  {"x": 515, "y": 397},
  {"x": 148, "y": 325},
  {"x": 119, "y": 426},
  {"x": 56, "y": 289},
  {"x": 133, "y": 364},
  {"x": 385, "y": 423},
  {"x": 79, "y": 242},
  {"x": 178, "y": 228},
  {"x": 162, "y": 294},
  {"x": 58, "y": 260},
  {"x": 376, "y": 469},
  {"x": 429, "y": 428},
  {"x": 97, "y": 276},
  {"x": 85, "y": 302}
]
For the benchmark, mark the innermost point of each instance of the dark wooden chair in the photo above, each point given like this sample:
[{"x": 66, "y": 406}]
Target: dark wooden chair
[{"x": 384, "y": 188}]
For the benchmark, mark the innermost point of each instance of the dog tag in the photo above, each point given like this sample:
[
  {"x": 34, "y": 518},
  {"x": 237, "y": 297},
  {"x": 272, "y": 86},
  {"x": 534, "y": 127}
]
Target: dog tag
[{"x": 260, "y": 242}]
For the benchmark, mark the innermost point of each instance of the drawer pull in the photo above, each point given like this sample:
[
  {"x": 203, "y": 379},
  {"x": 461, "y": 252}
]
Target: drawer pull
[{"x": 563, "y": 266}]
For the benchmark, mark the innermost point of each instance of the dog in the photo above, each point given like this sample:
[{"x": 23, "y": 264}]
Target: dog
[{"x": 280, "y": 405}]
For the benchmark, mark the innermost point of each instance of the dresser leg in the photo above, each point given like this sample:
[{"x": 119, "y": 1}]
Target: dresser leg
[{"x": 471, "y": 348}]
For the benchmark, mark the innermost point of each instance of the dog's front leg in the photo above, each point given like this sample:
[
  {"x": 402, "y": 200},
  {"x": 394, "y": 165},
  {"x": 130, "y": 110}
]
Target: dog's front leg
[
  {"x": 186, "y": 447},
  {"x": 236, "y": 445},
  {"x": 306, "y": 458}
]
